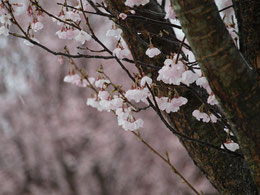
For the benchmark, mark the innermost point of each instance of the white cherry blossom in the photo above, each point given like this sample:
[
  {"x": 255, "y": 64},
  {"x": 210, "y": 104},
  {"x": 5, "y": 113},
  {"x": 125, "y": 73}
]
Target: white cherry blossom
[
  {"x": 93, "y": 102},
  {"x": 132, "y": 3},
  {"x": 170, "y": 105},
  {"x": 231, "y": 145},
  {"x": 67, "y": 34},
  {"x": 72, "y": 78},
  {"x": 103, "y": 95},
  {"x": 132, "y": 125},
  {"x": 204, "y": 116},
  {"x": 189, "y": 77}
]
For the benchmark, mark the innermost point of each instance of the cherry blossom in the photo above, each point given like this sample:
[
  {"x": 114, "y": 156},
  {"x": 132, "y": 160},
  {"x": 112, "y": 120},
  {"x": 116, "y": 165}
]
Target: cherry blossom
[
  {"x": 204, "y": 116},
  {"x": 71, "y": 78},
  {"x": 123, "y": 16},
  {"x": 152, "y": 51},
  {"x": 101, "y": 83},
  {"x": 72, "y": 15},
  {"x": 82, "y": 37},
  {"x": 61, "y": 59},
  {"x": 36, "y": 26},
  {"x": 91, "y": 80},
  {"x": 93, "y": 102},
  {"x": 121, "y": 53},
  {"x": 138, "y": 94},
  {"x": 132, "y": 11},
  {"x": 67, "y": 33},
  {"x": 132, "y": 3},
  {"x": 189, "y": 77},
  {"x": 231, "y": 145},
  {"x": 75, "y": 79},
  {"x": 170, "y": 105},
  {"x": 171, "y": 73},
  {"x": 127, "y": 121},
  {"x": 213, "y": 118},
  {"x": 202, "y": 82},
  {"x": 103, "y": 95},
  {"x": 212, "y": 100},
  {"x": 145, "y": 80},
  {"x": 201, "y": 115},
  {"x": 82, "y": 83},
  {"x": 132, "y": 125}
]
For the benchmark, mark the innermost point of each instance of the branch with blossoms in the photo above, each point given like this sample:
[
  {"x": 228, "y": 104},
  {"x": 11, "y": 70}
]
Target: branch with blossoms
[
  {"x": 173, "y": 72},
  {"x": 177, "y": 71}
]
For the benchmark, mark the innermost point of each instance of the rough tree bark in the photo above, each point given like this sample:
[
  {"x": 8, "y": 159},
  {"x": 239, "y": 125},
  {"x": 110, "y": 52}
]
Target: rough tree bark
[{"x": 228, "y": 173}]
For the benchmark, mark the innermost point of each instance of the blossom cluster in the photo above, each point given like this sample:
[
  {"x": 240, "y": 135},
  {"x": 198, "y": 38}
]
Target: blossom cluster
[{"x": 132, "y": 3}]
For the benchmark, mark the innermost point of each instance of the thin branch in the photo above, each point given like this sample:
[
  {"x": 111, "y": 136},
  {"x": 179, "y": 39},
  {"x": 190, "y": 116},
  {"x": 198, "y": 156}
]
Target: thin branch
[{"x": 167, "y": 161}]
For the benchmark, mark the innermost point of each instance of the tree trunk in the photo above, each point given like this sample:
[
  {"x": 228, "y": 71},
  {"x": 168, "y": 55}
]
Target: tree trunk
[
  {"x": 228, "y": 173},
  {"x": 232, "y": 79}
]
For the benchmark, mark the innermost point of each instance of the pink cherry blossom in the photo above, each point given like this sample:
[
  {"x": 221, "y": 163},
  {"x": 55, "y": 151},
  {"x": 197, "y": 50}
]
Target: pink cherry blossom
[
  {"x": 201, "y": 115},
  {"x": 67, "y": 33},
  {"x": 123, "y": 16},
  {"x": 72, "y": 15},
  {"x": 145, "y": 80},
  {"x": 137, "y": 94},
  {"x": 189, "y": 77},
  {"x": 213, "y": 118},
  {"x": 82, "y": 37},
  {"x": 152, "y": 51},
  {"x": 202, "y": 82},
  {"x": 60, "y": 59},
  {"x": 121, "y": 53},
  {"x": 212, "y": 100},
  {"x": 36, "y": 26},
  {"x": 103, "y": 95},
  {"x": 101, "y": 83},
  {"x": 72, "y": 78},
  {"x": 171, "y": 73}
]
